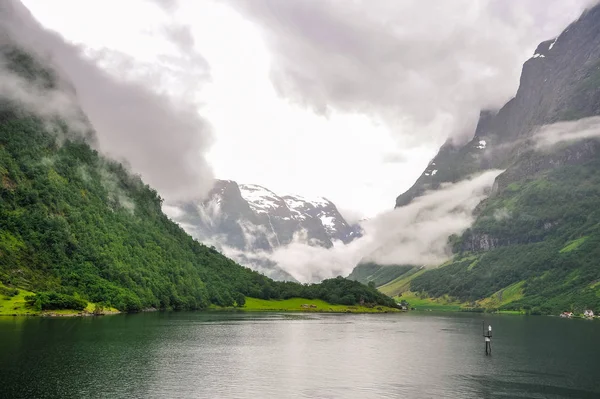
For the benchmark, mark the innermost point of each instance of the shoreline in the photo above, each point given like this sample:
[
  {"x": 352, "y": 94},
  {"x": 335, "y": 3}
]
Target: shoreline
[
  {"x": 67, "y": 313},
  {"x": 80, "y": 314},
  {"x": 60, "y": 313},
  {"x": 292, "y": 305}
]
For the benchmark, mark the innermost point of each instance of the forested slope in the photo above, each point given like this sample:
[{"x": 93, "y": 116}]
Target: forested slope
[{"x": 542, "y": 233}]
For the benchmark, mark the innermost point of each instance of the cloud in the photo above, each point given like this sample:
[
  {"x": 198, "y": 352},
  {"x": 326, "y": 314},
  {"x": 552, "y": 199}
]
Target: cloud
[
  {"x": 394, "y": 158},
  {"x": 415, "y": 234},
  {"x": 181, "y": 36},
  {"x": 351, "y": 216},
  {"x": 167, "y": 5},
  {"x": 426, "y": 67},
  {"x": 162, "y": 139},
  {"x": 34, "y": 95},
  {"x": 585, "y": 128}
]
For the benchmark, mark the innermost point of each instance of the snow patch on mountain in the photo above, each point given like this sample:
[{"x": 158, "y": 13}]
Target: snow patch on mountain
[
  {"x": 298, "y": 200},
  {"x": 259, "y": 198},
  {"x": 328, "y": 221}
]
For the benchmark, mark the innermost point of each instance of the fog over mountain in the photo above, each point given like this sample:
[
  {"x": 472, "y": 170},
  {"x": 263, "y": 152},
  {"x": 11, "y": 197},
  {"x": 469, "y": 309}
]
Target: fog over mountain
[{"x": 161, "y": 138}]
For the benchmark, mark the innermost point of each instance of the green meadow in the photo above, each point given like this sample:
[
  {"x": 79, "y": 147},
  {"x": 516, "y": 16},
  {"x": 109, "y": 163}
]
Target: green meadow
[{"x": 310, "y": 305}]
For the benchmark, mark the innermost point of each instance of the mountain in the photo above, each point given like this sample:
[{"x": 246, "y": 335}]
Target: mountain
[
  {"x": 536, "y": 237},
  {"x": 78, "y": 227},
  {"x": 253, "y": 220},
  {"x": 558, "y": 83},
  {"x": 379, "y": 275}
]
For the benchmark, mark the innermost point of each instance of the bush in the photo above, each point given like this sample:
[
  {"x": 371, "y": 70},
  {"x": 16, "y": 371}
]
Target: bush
[
  {"x": 54, "y": 301},
  {"x": 240, "y": 300},
  {"x": 9, "y": 292},
  {"x": 348, "y": 300}
]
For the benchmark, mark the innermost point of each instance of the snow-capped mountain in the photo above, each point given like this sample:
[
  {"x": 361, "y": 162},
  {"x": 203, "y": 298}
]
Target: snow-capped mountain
[{"x": 246, "y": 221}]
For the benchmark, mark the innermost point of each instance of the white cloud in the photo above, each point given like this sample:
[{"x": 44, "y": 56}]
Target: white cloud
[
  {"x": 560, "y": 132},
  {"x": 427, "y": 66}
]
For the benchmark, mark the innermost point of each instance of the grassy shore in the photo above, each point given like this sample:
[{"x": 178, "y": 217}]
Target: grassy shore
[
  {"x": 430, "y": 304},
  {"x": 16, "y": 305},
  {"x": 307, "y": 305},
  {"x": 446, "y": 304}
]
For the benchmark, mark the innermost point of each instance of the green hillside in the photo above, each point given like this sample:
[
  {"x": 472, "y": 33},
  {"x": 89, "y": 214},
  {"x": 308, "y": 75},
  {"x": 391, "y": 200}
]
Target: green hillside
[
  {"x": 78, "y": 228},
  {"x": 77, "y": 223},
  {"x": 543, "y": 233},
  {"x": 376, "y": 274}
]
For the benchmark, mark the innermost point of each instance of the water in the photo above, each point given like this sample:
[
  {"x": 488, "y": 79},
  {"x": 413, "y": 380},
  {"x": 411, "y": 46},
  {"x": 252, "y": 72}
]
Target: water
[{"x": 236, "y": 355}]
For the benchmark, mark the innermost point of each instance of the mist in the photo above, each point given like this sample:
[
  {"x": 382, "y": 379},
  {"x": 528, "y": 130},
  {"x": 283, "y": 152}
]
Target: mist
[
  {"x": 415, "y": 234},
  {"x": 162, "y": 138},
  {"x": 46, "y": 103},
  {"x": 559, "y": 132}
]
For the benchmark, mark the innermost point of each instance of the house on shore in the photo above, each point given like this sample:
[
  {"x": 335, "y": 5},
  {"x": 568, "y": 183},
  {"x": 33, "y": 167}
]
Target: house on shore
[
  {"x": 588, "y": 313},
  {"x": 568, "y": 315}
]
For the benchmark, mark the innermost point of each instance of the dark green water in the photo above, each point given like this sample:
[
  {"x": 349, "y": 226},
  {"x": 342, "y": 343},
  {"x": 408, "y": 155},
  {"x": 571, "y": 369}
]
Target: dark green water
[{"x": 215, "y": 355}]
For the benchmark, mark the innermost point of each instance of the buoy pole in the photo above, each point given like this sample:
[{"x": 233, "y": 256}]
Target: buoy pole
[{"x": 487, "y": 336}]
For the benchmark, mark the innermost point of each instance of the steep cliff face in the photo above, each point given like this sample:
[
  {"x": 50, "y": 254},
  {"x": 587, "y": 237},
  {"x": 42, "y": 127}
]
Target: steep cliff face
[
  {"x": 558, "y": 83},
  {"x": 253, "y": 220},
  {"x": 537, "y": 234}
]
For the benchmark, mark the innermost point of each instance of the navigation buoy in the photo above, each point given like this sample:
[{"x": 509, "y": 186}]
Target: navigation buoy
[{"x": 487, "y": 336}]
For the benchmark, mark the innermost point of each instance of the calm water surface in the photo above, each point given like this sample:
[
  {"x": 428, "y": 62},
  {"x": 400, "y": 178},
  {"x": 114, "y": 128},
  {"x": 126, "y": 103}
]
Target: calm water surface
[{"x": 216, "y": 355}]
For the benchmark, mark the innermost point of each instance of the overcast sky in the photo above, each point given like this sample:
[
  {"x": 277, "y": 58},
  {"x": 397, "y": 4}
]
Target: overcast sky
[{"x": 343, "y": 99}]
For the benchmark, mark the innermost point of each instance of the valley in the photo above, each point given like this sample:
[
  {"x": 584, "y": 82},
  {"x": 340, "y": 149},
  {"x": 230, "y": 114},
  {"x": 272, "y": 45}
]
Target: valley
[
  {"x": 295, "y": 199},
  {"x": 79, "y": 225}
]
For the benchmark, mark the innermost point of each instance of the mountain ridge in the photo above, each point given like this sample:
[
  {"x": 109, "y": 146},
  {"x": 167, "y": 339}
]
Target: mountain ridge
[{"x": 558, "y": 83}]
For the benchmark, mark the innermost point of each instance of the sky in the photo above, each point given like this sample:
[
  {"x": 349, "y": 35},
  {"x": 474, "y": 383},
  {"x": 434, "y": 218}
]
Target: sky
[{"x": 343, "y": 99}]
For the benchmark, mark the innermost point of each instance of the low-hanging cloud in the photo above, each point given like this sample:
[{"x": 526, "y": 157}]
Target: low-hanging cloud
[
  {"x": 162, "y": 139},
  {"x": 415, "y": 234},
  {"x": 425, "y": 66},
  {"x": 48, "y": 104},
  {"x": 559, "y": 132}
]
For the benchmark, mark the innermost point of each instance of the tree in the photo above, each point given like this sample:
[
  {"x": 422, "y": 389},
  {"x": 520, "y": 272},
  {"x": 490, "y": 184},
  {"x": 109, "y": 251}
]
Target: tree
[{"x": 240, "y": 300}]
